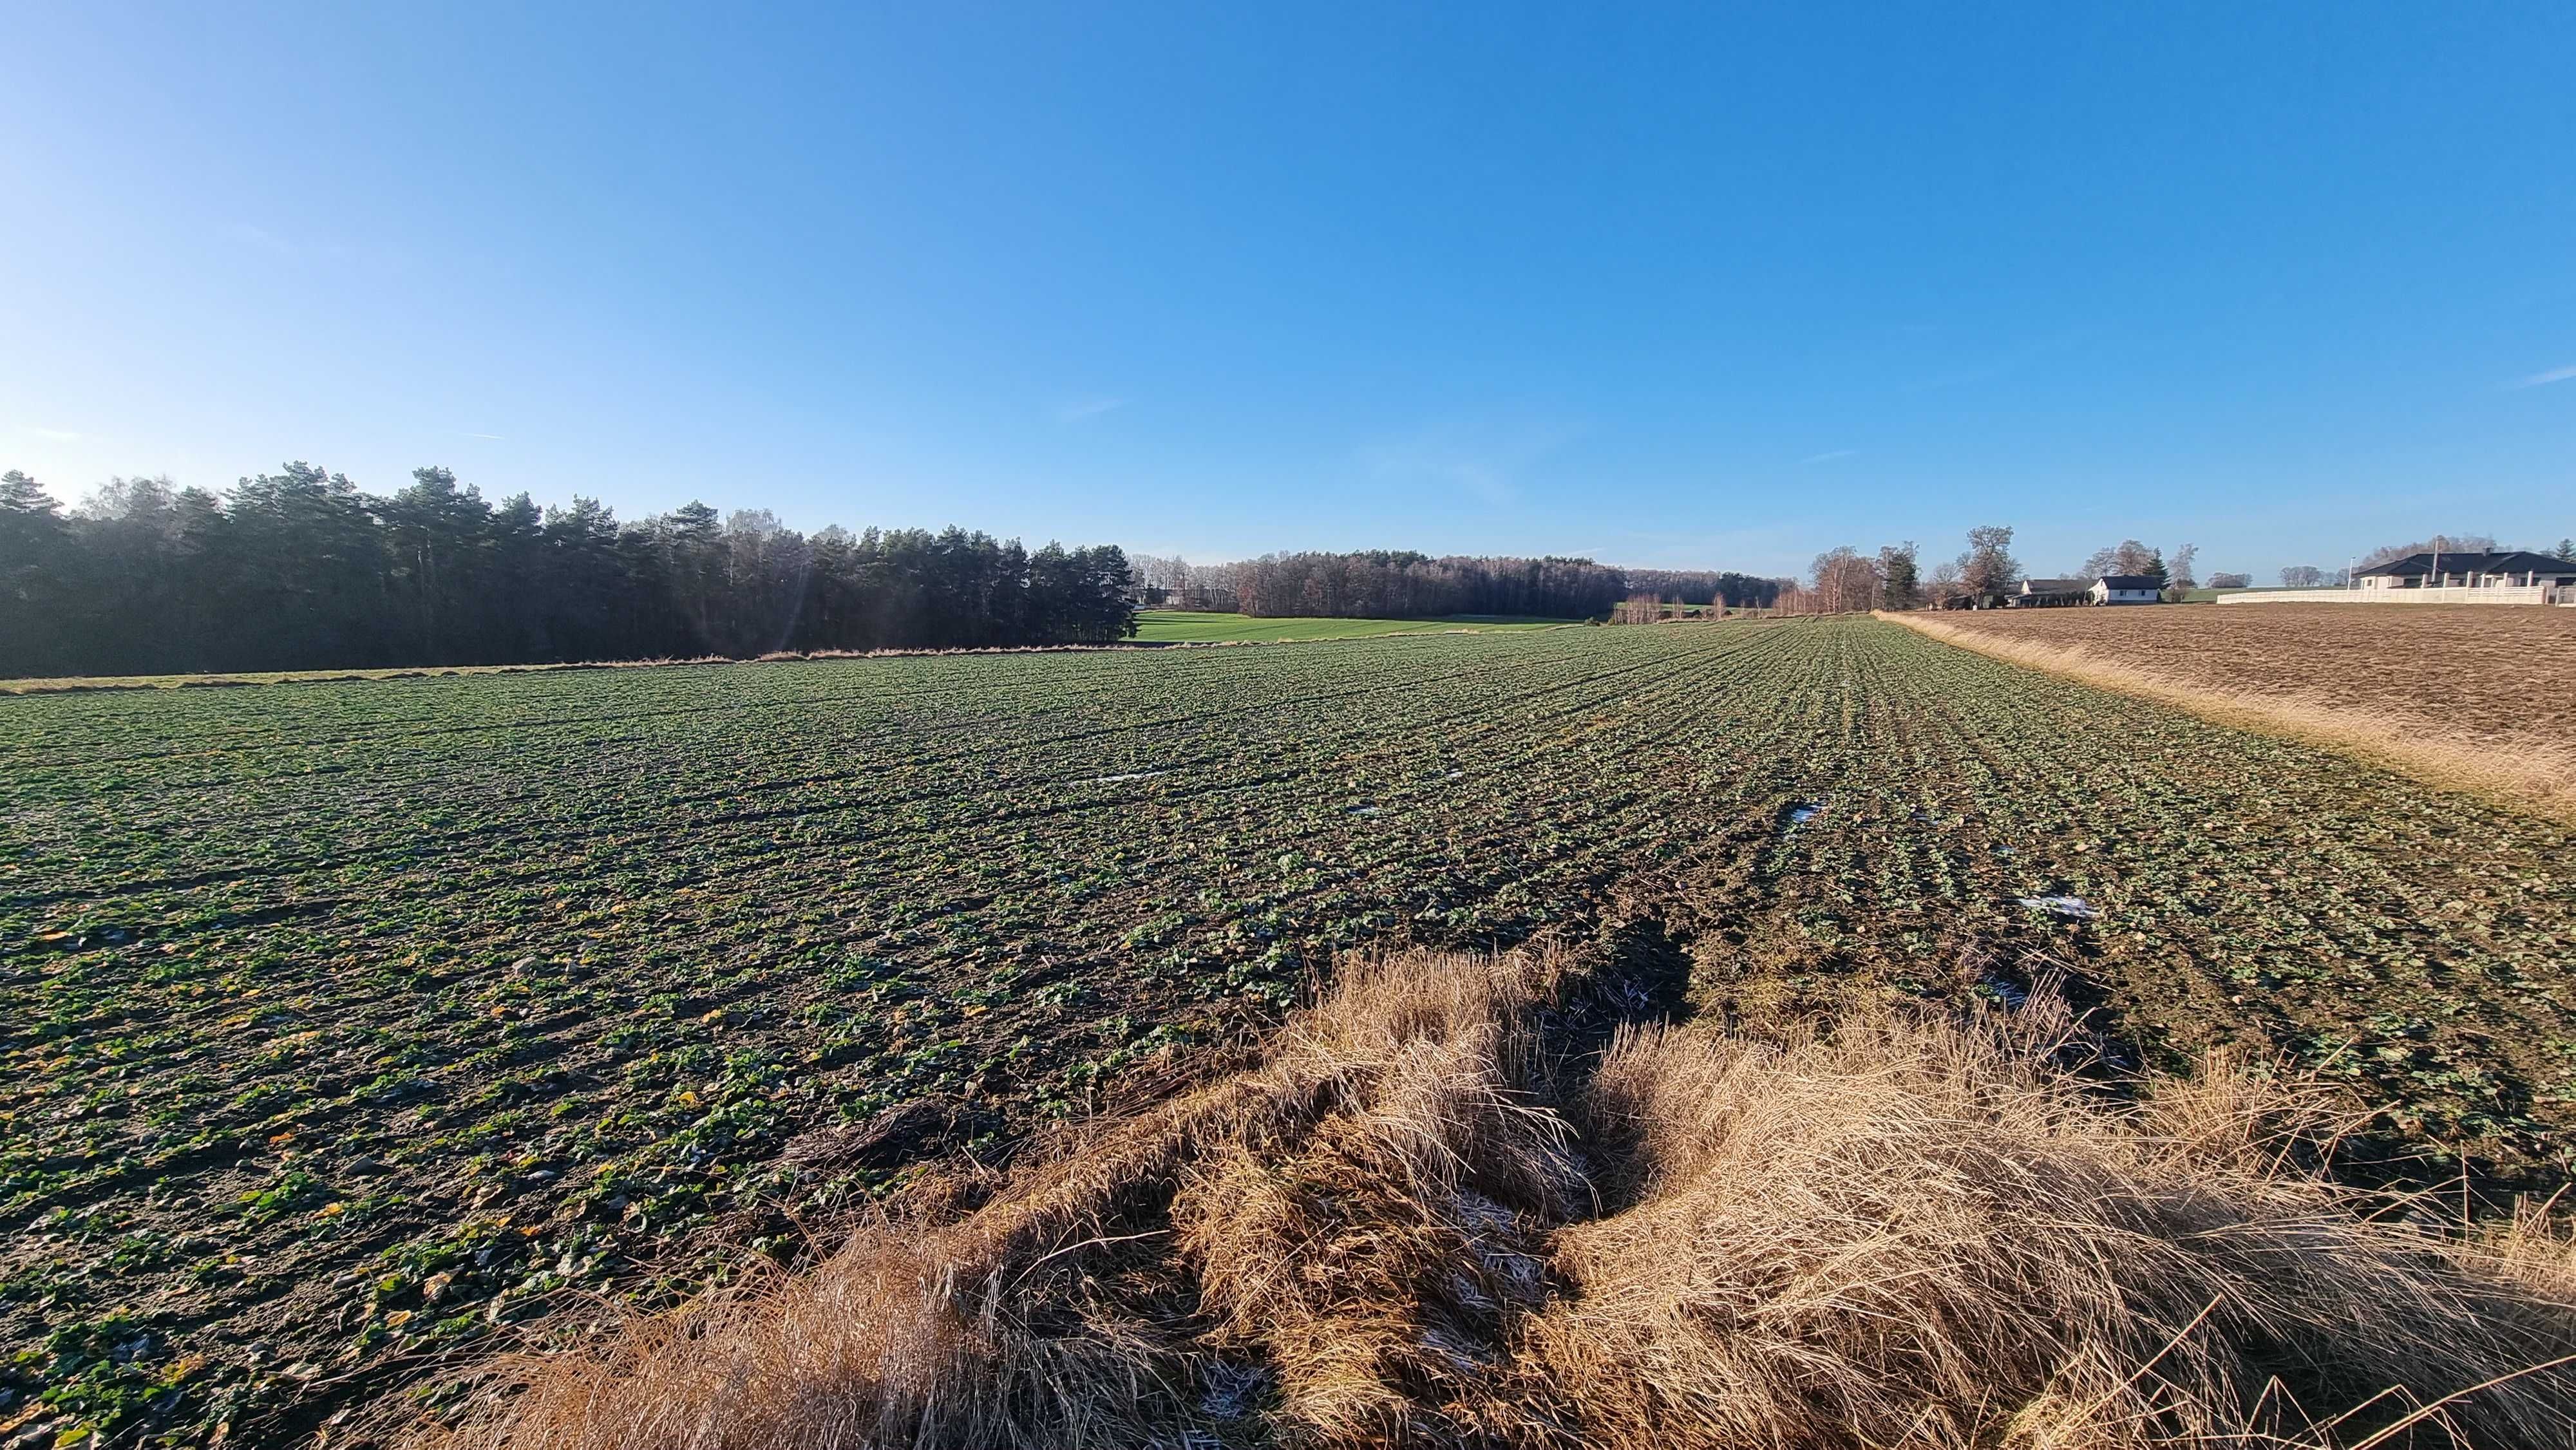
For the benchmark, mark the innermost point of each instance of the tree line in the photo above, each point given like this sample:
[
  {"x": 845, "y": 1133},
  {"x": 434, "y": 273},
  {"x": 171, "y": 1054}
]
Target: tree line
[
  {"x": 1844, "y": 580},
  {"x": 1399, "y": 584},
  {"x": 1987, "y": 568},
  {"x": 303, "y": 570}
]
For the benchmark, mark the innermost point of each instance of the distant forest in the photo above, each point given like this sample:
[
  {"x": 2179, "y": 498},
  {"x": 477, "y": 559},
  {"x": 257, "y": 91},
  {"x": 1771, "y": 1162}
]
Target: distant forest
[
  {"x": 1394, "y": 584},
  {"x": 302, "y": 570}
]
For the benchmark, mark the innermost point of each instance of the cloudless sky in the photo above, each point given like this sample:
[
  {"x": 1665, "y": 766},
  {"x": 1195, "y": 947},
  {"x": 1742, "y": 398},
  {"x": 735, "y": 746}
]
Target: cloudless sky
[{"x": 1707, "y": 285}]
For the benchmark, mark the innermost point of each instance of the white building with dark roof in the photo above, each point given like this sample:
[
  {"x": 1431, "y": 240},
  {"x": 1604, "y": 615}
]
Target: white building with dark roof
[
  {"x": 2127, "y": 589},
  {"x": 2513, "y": 576},
  {"x": 2512, "y": 569}
]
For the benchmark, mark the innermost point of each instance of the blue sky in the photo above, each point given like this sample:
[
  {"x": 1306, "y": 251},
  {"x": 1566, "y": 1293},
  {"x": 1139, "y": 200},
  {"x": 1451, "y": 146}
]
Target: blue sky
[{"x": 1677, "y": 287}]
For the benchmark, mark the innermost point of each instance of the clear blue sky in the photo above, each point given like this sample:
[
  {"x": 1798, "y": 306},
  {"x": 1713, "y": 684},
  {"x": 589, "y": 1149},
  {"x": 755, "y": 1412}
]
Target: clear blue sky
[{"x": 1663, "y": 287}]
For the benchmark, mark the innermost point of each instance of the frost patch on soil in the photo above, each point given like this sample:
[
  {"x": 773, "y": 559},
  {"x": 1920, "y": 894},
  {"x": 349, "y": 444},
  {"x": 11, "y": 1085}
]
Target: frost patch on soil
[
  {"x": 2069, "y": 906},
  {"x": 1366, "y": 810},
  {"x": 1229, "y": 1391}
]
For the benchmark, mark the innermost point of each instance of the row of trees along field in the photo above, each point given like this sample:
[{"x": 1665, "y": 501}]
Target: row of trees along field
[
  {"x": 302, "y": 570},
  {"x": 1987, "y": 568},
  {"x": 1394, "y": 584},
  {"x": 1844, "y": 580}
]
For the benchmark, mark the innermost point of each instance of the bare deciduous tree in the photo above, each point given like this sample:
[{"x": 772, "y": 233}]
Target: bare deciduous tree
[
  {"x": 2125, "y": 557},
  {"x": 1843, "y": 581},
  {"x": 1988, "y": 566},
  {"x": 2445, "y": 543}
]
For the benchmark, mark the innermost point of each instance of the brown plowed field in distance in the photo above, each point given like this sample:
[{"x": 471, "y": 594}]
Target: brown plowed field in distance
[{"x": 2493, "y": 686}]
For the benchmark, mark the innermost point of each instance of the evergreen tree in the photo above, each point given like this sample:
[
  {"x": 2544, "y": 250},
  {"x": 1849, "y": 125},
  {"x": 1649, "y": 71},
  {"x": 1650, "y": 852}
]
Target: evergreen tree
[
  {"x": 31, "y": 587},
  {"x": 1900, "y": 586},
  {"x": 300, "y": 570}
]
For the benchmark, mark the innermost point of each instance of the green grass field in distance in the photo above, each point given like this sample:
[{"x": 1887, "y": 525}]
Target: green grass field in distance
[
  {"x": 1179, "y": 626},
  {"x": 2204, "y": 596}
]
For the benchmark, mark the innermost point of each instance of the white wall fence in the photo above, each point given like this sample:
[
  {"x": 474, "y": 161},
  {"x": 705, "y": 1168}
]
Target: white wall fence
[{"x": 2536, "y": 594}]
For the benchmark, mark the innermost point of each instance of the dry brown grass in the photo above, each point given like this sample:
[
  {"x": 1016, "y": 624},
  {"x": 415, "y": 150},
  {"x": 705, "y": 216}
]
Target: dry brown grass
[
  {"x": 2466, "y": 699},
  {"x": 1409, "y": 1225}
]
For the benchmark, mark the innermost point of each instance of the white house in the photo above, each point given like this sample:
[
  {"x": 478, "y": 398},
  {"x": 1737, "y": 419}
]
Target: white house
[{"x": 2125, "y": 589}]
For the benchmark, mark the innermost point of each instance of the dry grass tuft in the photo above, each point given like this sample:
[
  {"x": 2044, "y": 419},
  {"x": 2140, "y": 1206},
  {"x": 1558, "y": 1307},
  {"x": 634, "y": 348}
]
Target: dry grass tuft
[
  {"x": 1412, "y": 1224},
  {"x": 2525, "y": 774},
  {"x": 1911, "y": 1233}
]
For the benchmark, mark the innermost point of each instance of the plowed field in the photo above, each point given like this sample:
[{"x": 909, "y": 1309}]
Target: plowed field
[{"x": 2495, "y": 676}]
